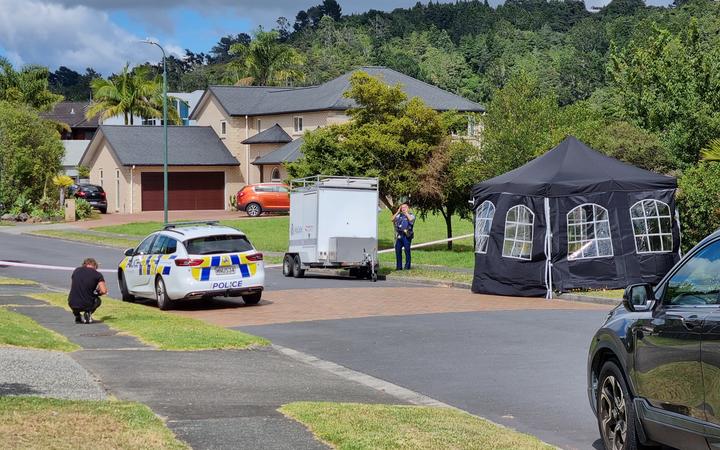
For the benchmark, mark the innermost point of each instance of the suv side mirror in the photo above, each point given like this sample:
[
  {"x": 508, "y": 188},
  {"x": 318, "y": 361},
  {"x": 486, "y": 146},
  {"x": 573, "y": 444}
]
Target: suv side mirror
[
  {"x": 639, "y": 297},
  {"x": 130, "y": 252}
]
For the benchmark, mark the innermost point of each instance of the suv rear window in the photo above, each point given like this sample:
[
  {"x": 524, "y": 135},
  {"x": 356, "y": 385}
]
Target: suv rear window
[
  {"x": 91, "y": 189},
  {"x": 224, "y": 243}
]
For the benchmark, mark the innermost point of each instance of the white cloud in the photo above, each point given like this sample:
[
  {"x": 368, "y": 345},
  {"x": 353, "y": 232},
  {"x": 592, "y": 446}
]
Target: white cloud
[{"x": 75, "y": 36}]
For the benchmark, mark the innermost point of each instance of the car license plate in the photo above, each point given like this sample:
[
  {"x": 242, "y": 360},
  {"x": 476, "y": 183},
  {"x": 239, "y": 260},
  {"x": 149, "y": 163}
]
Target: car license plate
[{"x": 226, "y": 270}]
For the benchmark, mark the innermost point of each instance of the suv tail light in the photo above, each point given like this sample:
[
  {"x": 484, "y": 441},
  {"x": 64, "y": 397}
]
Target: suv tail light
[
  {"x": 189, "y": 262},
  {"x": 102, "y": 194},
  {"x": 80, "y": 194},
  {"x": 255, "y": 257}
]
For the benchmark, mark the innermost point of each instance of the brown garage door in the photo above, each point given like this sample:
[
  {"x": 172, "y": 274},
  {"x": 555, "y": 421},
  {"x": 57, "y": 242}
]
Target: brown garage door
[{"x": 186, "y": 190}]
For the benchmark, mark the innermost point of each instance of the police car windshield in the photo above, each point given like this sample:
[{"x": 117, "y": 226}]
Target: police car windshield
[{"x": 225, "y": 243}]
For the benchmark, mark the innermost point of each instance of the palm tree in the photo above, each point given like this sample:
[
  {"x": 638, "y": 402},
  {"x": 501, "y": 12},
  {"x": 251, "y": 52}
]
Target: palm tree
[
  {"x": 712, "y": 151},
  {"x": 129, "y": 93},
  {"x": 265, "y": 61},
  {"x": 28, "y": 86}
]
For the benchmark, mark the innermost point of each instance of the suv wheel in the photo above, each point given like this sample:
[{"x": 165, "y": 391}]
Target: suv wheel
[
  {"x": 253, "y": 210},
  {"x": 288, "y": 265},
  {"x": 616, "y": 412},
  {"x": 164, "y": 302},
  {"x": 126, "y": 295}
]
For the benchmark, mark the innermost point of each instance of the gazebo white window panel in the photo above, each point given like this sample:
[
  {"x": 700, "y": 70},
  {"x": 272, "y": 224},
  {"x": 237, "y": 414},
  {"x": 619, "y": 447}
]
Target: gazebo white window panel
[
  {"x": 518, "y": 233},
  {"x": 483, "y": 223},
  {"x": 588, "y": 232},
  {"x": 652, "y": 226}
]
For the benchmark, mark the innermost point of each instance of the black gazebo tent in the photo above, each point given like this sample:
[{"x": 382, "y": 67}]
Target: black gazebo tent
[{"x": 573, "y": 218}]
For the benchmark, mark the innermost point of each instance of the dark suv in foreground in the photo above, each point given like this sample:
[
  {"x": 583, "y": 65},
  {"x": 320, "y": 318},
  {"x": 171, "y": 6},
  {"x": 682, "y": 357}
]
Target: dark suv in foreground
[{"x": 654, "y": 365}]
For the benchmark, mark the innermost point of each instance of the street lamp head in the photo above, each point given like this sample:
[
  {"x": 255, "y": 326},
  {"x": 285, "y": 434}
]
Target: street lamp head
[{"x": 149, "y": 41}]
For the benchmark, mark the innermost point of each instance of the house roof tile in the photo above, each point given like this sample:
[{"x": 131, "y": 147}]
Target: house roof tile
[{"x": 273, "y": 135}]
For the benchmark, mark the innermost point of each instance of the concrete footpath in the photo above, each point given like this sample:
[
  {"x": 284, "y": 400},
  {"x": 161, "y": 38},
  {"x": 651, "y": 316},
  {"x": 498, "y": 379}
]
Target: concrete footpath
[{"x": 210, "y": 399}]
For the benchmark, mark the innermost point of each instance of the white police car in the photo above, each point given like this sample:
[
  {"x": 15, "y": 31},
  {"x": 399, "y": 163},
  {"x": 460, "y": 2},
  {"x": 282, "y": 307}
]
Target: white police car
[{"x": 191, "y": 260}]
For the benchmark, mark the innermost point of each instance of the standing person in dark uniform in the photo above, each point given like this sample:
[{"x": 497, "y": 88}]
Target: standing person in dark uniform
[
  {"x": 87, "y": 286},
  {"x": 403, "y": 220}
]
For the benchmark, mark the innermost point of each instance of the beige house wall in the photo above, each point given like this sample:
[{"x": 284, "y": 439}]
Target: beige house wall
[
  {"x": 211, "y": 113},
  {"x": 267, "y": 172},
  {"x": 106, "y": 171}
]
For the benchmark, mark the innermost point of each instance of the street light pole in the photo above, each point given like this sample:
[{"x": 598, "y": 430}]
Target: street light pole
[{"x": 165, "y": 132}]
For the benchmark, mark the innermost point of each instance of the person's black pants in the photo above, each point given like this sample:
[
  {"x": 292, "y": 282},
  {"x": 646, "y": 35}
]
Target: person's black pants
[
  {"x": 402, "y": 242},
  {"x": 96, "y": 305}
]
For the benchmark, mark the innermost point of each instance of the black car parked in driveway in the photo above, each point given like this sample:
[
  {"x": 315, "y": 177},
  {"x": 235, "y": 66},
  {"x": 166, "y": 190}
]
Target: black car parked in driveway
[
  {"x": 93, "y": 194},
  {"x": 654, "y": 365}
]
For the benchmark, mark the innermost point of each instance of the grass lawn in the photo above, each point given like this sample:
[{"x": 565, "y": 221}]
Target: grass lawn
[
  {"x": 427, "y": 274},
  {"x": 40, "y": 423},
  {"x": 5, "y": 281},
  {"x": 163, "y": 330},
  {"x": 119, "y": 242},
  {"x": 606, "y": 293},
  {"x": 361, "y": 426},
  {"x": 271, "y": 234},
  {"x": 18, "y": 330}
]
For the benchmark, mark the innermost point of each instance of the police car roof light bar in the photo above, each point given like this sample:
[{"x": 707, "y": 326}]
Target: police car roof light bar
[{"x": 187, "y": 224}]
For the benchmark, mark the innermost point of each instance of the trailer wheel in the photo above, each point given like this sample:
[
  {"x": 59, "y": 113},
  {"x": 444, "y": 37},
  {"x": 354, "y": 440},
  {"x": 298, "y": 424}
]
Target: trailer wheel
[
  {"x": 374, "y": 277},
  {"x": 288, "y": 265},
  {"x": 298, "y": 271}
]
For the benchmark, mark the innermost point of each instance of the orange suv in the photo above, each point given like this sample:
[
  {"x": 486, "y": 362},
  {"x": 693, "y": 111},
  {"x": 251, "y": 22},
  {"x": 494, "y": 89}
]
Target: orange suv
[{"x": 255, "y": 199}]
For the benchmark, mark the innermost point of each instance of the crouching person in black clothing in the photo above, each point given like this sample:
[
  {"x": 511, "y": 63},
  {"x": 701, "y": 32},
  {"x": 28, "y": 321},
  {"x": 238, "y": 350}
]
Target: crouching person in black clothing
[{"x": 87, "y": 286}]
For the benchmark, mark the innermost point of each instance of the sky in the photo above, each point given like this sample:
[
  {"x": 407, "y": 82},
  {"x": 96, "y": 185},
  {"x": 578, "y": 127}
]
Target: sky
[{"x": 105, "y": 34}]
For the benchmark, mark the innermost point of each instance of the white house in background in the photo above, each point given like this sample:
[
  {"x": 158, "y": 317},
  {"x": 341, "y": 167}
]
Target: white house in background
[{"x": 183, "y": 102}]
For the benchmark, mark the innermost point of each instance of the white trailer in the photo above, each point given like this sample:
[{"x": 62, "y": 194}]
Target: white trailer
[{"x": 333, "y": 225}]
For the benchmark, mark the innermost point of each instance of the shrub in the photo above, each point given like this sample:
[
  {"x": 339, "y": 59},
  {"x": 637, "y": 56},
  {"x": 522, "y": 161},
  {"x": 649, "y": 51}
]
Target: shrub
[
  {"x": 83, "y": 210},
  {"x": 21, "y": 205},
  {"x": 699, "y": 202}
]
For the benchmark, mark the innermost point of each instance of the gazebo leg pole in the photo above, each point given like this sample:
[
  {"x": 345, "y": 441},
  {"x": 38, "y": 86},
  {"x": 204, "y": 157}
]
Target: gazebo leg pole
[{"x": 548, "y": 251}]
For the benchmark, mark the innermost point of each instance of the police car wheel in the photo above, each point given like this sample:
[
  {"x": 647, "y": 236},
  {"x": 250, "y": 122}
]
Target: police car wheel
[
  {"x": 252, "y": 299},
  {"x": 253, "y": 210},
  {"x": 288, "y": 266},
  {"x": 126, "y": 296},
  {"x": 164, "y": 302},
  {"x": 298, "y": 271}
]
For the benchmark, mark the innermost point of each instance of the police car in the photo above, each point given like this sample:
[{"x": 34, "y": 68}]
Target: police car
[{"x": 192, "y": 260}]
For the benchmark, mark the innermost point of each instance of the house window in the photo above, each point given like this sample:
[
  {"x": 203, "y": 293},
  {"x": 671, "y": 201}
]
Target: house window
[
  {"x": 223, "y": 128},
  {"x": 117, "y": 190},
  {"x": 483, "y": 222},
  {"x": 652, "y": 226},
  {"x": 298, "y": 124},
  {"x": 518, "y": 233},
  {"x": 101, "y": 178},
  {"x": 259, "y": 125},
  {"x": 588, "y": 232},
  {"x": 275, "y": 176}
]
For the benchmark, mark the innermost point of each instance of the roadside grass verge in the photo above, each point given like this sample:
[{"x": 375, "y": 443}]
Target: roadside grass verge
[
  {"x": 18, "y": 330},
  {"x": 79, "y": 236},
  {"x": 362, "y": 426},
  {"x": 461, "y": 256},
  {"x": 8, "y": 281},
  {"x": 33, "y": 422},
  {"x": 604, "y": 293},
  {"x": 163, "y": 330},
  {"x": 426, "y": 274}
]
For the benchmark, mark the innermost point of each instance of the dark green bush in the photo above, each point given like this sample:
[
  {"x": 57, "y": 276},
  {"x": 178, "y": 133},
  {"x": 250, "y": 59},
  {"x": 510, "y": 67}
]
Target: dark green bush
[
  {"x": 698, "y": 202},
  {"x": 83, "y": 210}
]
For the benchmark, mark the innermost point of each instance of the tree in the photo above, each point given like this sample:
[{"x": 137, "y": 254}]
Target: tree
[
  {"x": 670, "y": 85},
  {"x": 29, "y": 86},
  {"x": 265, "y": 61},
  {"x": 698, "y": 199},
  {"x": 220, "y": 53},
  {"x": 129, "y": 94},
  {"x": 517, "y": 126},
  {"x": 30, "y": 153},
  {"x": 387, "y": 137},
  {"x": 332, "y": 9},
  {"x": 446, "y": 181},
  {"x": 71, "y": 84}
]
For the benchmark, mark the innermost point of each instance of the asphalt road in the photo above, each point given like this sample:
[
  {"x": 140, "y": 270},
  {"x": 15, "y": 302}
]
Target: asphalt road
[
  {"x": 524, "y": 369},
  {"x": 46, "y": 251}
]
